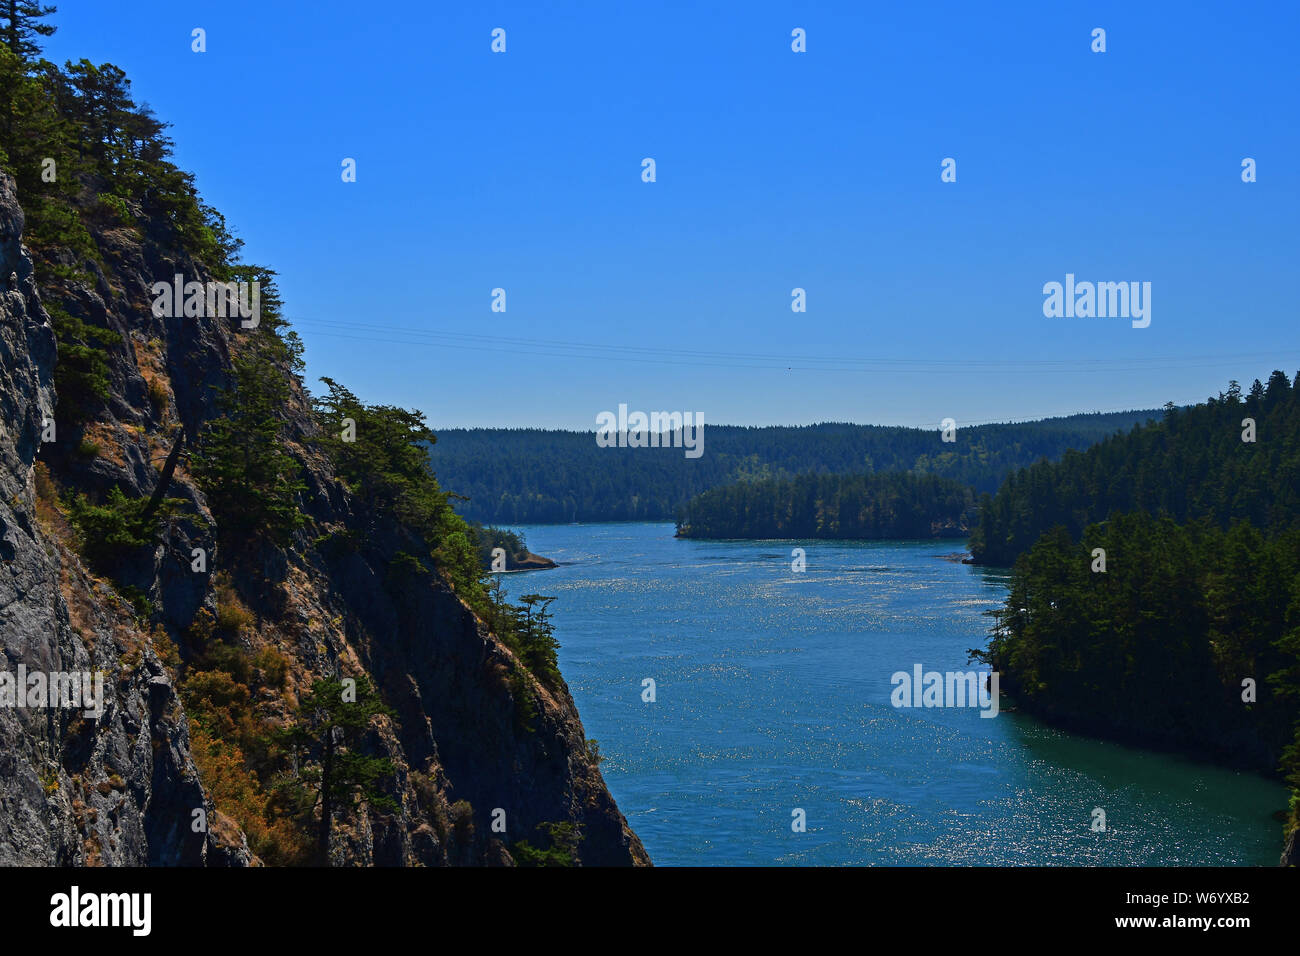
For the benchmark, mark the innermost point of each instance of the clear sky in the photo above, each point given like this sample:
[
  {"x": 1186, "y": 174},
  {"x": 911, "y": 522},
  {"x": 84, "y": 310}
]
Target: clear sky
[{"x": 775, "y": 170}]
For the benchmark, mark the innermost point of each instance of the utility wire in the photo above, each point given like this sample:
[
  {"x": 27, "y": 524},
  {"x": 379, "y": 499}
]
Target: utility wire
[{"x": 711, "y": 359}]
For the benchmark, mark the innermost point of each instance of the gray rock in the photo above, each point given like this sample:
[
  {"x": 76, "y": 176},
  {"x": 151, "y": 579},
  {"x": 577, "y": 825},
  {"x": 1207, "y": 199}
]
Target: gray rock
[
  {"x": 123, "y": 788},
  {"x": 120, "y": 789}
]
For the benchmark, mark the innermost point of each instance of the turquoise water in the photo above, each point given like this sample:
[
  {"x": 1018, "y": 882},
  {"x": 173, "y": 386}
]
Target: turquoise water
[{"x": 773, "y": 694}]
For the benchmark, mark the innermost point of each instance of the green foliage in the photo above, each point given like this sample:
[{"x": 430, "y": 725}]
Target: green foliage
[
  {"x": 106, "y": 532},
  {"x": 250, "y": 481},
  {"x": 81, "y": 377},
  {"x": 328, "y": 734},
  {"x": 486, "y": 539},
  {"x": 1155, "y": 649},
  {"x": 535, "y": 636},
  {"x": 526, "y": 628},
  {"x": 22, "y": 25},
  {"x": 458, "y": 558},
  {"x": 560, "y": 842},
  {"x": 530, "y": 475},
  {"x": 378, "y": 450},
  {"x": 1201, "y": 533},
  {"x": 83, "y": 117},
  {"x": 521, "y": 688},
  {"x": 55, "y": 224},
  {"x": 1193, "y": 464},
  {"x": 403, "y": 569},
  {"x": 138, "y": 600},
  {"x": 892, "y": 505},
  {"x": 337, "y": 543},
  {"x": 115, "y": 207}
]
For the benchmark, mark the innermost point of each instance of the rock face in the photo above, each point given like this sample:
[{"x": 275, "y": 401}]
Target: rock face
[
  {"x": 124, "y": 787},
  {"x": 118, "y": 788}
]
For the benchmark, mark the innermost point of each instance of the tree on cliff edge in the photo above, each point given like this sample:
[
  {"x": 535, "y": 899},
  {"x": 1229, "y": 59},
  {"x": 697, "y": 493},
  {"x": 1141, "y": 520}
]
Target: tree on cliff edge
[
  {"x": 329, "y": 727},
  {"x": 21, "y": 25}
]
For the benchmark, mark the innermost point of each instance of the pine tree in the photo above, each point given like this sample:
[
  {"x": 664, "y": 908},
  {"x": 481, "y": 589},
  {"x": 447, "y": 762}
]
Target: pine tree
[
  {"x": 329, "y": 728},
  {"x": 537, "y": 637},
  {"x": 250, "y": 481},
  {"x": 21, "y": 26}
]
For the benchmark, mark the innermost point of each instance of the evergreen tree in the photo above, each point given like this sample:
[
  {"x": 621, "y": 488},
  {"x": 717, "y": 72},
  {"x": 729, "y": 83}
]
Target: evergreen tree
[
  {"x": 22, "y": 24},
  {"x": 1192, "y": 465},
  {"x": 329, "y": 729},
  {"x": 250, "y": 481},
  {"x": 537, "y": 637},
  {"x": 379, "y": 451}
]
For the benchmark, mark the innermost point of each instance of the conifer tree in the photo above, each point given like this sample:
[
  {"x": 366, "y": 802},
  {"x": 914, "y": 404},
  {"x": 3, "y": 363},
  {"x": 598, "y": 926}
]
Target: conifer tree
[
  {"x": 250, "y": 481},
  {"x": 21, "y": 25},
  {"x": 537, "y": 637},
  {"x": 329, "y": 728}
]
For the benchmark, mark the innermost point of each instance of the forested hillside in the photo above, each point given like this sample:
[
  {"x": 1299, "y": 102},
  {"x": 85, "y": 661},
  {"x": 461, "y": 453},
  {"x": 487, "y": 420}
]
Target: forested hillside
[
  {"x": 1155, "y": 596},
  {"x": 889, "y": 505},
  {"x": 1194, "y": 463},
  {"x": 534, "y": 475}
]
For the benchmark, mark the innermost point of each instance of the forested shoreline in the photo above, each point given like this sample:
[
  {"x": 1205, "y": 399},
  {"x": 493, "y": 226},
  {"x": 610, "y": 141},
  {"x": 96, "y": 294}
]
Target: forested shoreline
[
  {"x": 890, "y": 505},
  {"x": 1202, "y": 461},
  {"x": 1155, "y": 590},
  {"x": 545, "y": 476}
]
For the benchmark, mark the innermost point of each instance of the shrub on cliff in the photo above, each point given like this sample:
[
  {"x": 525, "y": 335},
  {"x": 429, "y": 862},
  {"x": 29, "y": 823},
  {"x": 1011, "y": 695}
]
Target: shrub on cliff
[
  {"x": 561, "y": 847},
  {"x": 81, "y": 377},
  {"x": 250, "y": 481},
  {"x": 109, "y": 530}
]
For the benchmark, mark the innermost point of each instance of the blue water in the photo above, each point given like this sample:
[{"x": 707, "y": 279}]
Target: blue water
[{"x": 773, "y": 694}]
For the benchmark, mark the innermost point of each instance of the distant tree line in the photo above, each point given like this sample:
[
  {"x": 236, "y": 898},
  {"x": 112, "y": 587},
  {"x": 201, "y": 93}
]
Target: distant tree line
[
  {"x": 891, "y": 505},
  {"x": 514, "y": 476},
  {"x": 1192, "y": 464}
]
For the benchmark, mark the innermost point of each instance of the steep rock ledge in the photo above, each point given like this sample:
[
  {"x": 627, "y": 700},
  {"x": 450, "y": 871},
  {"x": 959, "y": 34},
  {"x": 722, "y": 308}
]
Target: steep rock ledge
[
  {"x": 123, "y": 789},
  {"x": 119, "y": 789}
]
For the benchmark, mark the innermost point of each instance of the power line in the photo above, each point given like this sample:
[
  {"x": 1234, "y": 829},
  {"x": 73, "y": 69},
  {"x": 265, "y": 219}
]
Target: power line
[{"x": 554, "y": 348}]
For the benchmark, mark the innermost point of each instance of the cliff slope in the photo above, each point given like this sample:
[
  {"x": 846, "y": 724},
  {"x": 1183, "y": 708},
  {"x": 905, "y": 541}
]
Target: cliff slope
[{"x": 194, "y": 620}]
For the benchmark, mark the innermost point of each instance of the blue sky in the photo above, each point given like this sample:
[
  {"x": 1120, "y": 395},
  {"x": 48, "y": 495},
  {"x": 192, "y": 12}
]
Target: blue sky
[{"x": 775, "y": 170}]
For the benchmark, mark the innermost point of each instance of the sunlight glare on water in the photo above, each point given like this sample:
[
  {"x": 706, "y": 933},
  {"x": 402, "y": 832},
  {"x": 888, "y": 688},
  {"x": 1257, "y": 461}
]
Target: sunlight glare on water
[{"x": 773, "y": 693}]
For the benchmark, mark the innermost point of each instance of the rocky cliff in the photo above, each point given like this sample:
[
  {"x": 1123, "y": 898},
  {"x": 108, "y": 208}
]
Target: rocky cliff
[{"x": 140, "y": 783}]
